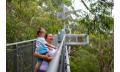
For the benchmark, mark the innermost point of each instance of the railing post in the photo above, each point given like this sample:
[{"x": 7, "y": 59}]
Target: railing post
[
  {"x": 87, "y": 39},
  {"x": 33, "y": 49},
  {"x": 76, "y": 38},
  {"x": 67, "y": 63},
  {"x": 64, "y": 57},
  {"x": 69, "y": 49},
  {"x": 61, "y": 35},
  {"x": 61, "y": 65},
  {"x": 15, "y": 58}
]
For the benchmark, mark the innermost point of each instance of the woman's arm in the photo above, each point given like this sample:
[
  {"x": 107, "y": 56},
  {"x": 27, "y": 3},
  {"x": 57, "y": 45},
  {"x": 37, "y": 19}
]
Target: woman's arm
[{"x": 45, "y": 57}]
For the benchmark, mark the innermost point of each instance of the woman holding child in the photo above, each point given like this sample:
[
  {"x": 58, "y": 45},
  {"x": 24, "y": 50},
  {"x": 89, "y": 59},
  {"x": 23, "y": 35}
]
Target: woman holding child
[{"x": 44, "y": 50}]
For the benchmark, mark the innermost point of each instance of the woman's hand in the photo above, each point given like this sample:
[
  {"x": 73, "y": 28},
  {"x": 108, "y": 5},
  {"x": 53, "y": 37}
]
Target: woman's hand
[{"x": 47, "y": 58}]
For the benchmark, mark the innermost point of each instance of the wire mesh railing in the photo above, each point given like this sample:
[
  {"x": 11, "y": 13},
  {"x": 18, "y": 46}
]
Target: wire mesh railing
[{"x": 19, "y": 56}]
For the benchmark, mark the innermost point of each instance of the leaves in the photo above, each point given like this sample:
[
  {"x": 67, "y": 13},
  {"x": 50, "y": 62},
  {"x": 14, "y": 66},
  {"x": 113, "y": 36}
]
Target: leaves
[{"x": 25, "y": 16}]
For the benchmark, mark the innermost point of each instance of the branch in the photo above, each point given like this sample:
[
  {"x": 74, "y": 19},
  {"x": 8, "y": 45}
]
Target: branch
[{"x": 86, "y": 6}]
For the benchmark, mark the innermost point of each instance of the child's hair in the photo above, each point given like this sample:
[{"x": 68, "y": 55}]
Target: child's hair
[{"x": 40, "y": 30}]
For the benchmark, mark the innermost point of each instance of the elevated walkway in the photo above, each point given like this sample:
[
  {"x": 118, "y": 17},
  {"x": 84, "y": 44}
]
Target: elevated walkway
[{"x": 20, "y": 58}]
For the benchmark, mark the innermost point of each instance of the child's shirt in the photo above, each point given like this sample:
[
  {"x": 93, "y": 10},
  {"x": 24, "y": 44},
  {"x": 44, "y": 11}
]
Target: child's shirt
[{"x": 41, "y": 48}]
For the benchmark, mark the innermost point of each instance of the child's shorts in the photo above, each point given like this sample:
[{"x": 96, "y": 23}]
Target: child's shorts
[{"x": 40, "y": 59}]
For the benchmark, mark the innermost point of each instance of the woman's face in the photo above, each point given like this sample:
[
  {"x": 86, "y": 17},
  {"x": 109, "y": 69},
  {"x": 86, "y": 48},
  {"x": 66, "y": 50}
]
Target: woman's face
[{"x": 49, "y": 38}]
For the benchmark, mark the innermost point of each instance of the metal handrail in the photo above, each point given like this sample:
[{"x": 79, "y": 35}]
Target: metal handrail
[
  {"x": 26, "y": 41},
  {"x": 54, "y": 64},
  {"x": 80, "y": 35}
]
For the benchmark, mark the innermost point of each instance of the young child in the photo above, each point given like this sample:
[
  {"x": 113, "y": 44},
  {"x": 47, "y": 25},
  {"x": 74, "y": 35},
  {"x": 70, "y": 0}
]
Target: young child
[{"x": 42, "y": 47}]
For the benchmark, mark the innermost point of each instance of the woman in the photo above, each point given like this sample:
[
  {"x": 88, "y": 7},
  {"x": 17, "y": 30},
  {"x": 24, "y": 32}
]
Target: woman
[
  {"x": 51, "y": 53},
  {"x": 47, "y": 58}
]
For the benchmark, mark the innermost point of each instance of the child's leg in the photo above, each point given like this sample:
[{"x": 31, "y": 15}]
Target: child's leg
[{"x": 37, "y": 66}]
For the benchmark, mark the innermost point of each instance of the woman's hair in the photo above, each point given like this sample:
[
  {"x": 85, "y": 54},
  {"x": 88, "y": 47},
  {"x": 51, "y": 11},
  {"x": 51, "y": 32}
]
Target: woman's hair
[
  {"x": 46, "y": 35},
  {"x": 40, "y": 30}
]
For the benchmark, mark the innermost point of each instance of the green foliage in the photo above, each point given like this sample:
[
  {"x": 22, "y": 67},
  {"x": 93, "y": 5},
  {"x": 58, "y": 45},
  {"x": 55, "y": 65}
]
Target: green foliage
[
  {"x": 25, "y": 16},
  {"x": 83, "y": 61},
  {"x": 100, "y": 49}
]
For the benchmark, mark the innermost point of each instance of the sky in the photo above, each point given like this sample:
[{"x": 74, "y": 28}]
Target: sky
[{"x": 77, "y": 4}]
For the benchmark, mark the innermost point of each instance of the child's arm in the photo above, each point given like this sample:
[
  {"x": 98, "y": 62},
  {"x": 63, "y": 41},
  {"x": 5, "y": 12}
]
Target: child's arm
[
  {"x": 50, "y": 48},
  {"x": 50, "y": 45}
]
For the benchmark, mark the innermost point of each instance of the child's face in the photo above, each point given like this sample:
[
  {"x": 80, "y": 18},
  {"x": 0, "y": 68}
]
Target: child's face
[{"x": 43, "y": 34}]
